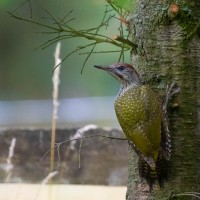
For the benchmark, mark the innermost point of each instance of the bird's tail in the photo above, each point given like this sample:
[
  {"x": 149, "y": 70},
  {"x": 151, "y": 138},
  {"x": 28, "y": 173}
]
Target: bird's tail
[
  {"x": 147, "y": 172},
  {"x": 152, "y": 174}
]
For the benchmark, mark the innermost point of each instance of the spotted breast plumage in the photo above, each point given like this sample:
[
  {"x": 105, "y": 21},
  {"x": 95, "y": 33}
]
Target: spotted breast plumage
[
  {"x": 139, "y": 113},
  {"x": 143, "y": 120}
]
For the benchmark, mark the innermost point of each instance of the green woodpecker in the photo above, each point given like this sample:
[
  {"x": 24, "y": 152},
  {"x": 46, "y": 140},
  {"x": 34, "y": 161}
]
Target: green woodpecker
[{"x": 143, "y": 120}]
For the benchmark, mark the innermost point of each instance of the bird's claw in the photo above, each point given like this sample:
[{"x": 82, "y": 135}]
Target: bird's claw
[{"x": 171, "y": 91}]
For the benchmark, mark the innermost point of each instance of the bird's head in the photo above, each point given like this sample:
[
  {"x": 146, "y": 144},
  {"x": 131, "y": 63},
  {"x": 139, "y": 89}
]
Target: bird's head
[{"x": 125, "y": 73}]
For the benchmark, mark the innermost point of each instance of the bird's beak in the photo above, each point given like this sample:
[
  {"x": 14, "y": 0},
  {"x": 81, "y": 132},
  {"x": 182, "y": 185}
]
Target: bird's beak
[
  {"x": 105, "y": 68},
  {"x": 109, "y": 69}
]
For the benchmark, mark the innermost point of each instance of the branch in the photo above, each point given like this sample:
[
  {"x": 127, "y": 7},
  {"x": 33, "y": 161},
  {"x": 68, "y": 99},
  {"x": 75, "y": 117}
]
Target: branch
[
  {"x": 77, "y": 33},
  {"x": 124, "y": 41},
  {"x": 64, "y": 31},
  {"x": 31, "y": 21},
  {"x": 79, "y": 139},
  {"x": 96, "y": 52}
]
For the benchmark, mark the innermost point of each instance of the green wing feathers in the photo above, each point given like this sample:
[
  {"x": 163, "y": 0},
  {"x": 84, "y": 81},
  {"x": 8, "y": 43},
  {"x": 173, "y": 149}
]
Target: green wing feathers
[
  {"x": 139, "y": 113},
  {"x": 141, "y": 116}
]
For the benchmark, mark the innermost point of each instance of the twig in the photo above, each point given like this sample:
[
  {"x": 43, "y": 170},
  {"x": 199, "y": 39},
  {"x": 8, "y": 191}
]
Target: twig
[
  {"x": 49, "y": 177},
  {"x": 97, "y": 30},
  {"x": 53, "y": 41},
  {"x": 9, "y": 165},
  {"x": 80, "y": 133},
  {"x": 77, "y": 33},
  {"x": 74, "y": 51},
  {"x": 69, "y": 13},
  {"x": 124, "y": 41},
  {"x": 11, "y": 151},
  {"x": 58, "y": 153},
  {"x": 79, "y": 153},
  {"x": 56, "y": 82},
  {"x": 65, "y": 31},
  {"x": 77, "y": 139},
  {"x": 31, "y": 21},
  {"x": 23, "y": 3},
  {"x": 96, "y": 52}
]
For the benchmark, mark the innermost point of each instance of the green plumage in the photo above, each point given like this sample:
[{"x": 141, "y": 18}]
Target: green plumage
[
  {"x": 139, "y": 113},
  {"x": 144, "y": 122}
]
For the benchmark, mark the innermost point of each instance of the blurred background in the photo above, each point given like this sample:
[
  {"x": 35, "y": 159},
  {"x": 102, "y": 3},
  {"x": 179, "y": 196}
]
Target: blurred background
[
  {"x": 26, "y": 97},
  {"x": 26, "y": 70}
]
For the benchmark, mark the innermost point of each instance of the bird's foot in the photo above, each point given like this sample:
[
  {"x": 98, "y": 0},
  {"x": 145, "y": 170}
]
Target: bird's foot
[{"x": 171, "y": 91}]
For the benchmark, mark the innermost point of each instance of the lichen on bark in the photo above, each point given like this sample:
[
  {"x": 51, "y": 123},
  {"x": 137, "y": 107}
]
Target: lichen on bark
[{"x": 169, "y": 49}]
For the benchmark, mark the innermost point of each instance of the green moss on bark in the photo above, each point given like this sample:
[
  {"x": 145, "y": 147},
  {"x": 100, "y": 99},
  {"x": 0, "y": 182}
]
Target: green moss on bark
[{"x": 170, "y": 49}]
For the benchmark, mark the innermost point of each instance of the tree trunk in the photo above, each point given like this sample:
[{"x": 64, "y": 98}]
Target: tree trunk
[{"x": 167, "y": 35}]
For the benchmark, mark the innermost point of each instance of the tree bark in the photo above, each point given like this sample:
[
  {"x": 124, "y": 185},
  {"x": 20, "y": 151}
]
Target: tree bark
[{"x": 168, "y": 37}]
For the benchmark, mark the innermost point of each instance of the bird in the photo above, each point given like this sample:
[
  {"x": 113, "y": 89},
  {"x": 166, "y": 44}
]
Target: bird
[{"x": 143, "y": 119}]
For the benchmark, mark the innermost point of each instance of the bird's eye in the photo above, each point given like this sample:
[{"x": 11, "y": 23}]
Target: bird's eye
[{"x": 120, "y": 68}]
